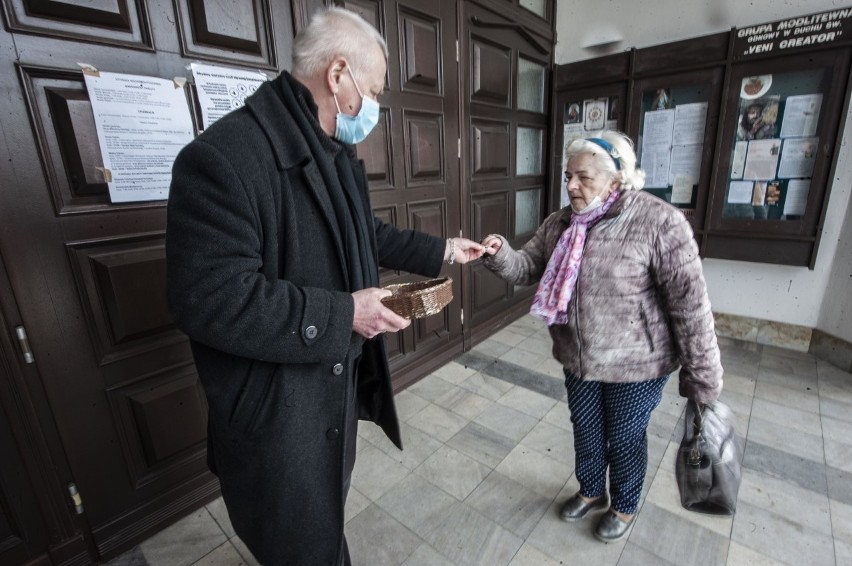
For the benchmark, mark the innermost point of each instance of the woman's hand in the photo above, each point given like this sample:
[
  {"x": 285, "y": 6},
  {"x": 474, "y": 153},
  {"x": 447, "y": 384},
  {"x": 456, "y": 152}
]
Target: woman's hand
[{"x": 492, "y": 244}]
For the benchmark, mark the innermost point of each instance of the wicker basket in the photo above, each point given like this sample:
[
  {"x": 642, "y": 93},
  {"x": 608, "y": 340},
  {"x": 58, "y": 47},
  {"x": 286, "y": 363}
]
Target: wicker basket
[{"x": 419, "y": 299}]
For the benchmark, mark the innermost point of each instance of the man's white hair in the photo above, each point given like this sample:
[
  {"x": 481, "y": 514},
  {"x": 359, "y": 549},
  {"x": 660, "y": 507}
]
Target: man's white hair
[{"x": 335, "y": 32}]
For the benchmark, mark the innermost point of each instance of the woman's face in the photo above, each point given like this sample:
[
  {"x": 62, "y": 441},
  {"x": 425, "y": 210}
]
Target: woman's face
[{"x": 585, "y": 181}]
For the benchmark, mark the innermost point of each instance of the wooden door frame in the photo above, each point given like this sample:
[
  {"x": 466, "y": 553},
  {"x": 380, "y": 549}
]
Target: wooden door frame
[{"x": 23, "y": 400}]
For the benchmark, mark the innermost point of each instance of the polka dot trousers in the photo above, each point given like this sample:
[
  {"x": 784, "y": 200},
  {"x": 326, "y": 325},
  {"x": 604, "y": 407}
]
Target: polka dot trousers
[{"x": 610, "y": 424}]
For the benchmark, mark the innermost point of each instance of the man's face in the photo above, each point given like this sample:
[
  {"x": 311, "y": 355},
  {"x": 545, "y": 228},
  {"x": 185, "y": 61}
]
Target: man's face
[
  {"x": 753, "y": 114},
  {"x": 371, "y": 82}
]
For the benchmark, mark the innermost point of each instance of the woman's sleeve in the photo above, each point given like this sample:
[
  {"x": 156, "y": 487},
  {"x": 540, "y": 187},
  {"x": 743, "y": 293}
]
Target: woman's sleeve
[
  {"x": 683, "y": 294},
  {"x": 524, "y": 266}
]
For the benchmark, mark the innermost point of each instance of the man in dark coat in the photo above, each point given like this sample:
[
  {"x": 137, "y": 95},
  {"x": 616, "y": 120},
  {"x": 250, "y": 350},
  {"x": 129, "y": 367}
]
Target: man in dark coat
[{"x": 273, "y": 255}]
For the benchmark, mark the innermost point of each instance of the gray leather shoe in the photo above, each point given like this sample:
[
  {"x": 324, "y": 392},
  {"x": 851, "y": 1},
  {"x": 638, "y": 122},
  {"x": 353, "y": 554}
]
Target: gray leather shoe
[
  {"x": 611, "y": 528},
  {"x": 575, "y": 509}
]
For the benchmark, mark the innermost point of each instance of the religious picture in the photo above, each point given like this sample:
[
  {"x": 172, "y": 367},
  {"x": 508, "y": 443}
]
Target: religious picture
[
  {"x": 758, "y": 118},
  {"x": 662, "y": 100}
]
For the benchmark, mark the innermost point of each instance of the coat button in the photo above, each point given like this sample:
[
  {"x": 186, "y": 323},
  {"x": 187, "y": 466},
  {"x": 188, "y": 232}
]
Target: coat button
[
  {"x": 311, "y": 332},
  {"x": 332, "y": 433},
  {"x": 337, "y": 369}
]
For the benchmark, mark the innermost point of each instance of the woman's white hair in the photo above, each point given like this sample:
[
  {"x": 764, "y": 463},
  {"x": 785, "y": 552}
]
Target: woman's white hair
[
  {"x": 331, "y": 33},
  {"x": 622, "y": 149}
]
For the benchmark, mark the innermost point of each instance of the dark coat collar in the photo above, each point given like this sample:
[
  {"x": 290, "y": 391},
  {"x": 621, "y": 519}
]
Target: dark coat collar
[{"x": 274, "y": 116}]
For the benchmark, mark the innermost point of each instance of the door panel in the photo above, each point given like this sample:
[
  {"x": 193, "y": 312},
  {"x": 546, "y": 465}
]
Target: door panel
[
  {"x": 412, "y": 161},
  {"x": 89, "y": 275},
  {"x": 505, "y": 108}
]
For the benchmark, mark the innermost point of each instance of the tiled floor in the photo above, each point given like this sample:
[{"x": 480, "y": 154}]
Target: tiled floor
[{"x": 488, "y": 460}]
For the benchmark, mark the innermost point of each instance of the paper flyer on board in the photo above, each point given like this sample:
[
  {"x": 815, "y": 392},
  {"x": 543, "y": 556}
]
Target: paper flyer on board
[
  {"x": 142, "y": 123},
  {"x": 222, "y": 89}
]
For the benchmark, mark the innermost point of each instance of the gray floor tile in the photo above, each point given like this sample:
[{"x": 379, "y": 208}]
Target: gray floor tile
[
  {"x": 417, "y": 504},
  {"x": 482, "y": 444},
  {"x": 511, "y": 336},
  {"x": 802, "y": 421},
  {"x": 837, "y": 455},
  {"x": 417, "y": 446},
  {"x": 224, "y": 555},
  {"x": 780, "y": 539},
  {"x": 835, "y": 409},
  {"x": 786, "y": 499},
  {"x": 797, "y": 399},
  {"x": 491, "y": 348},
  {"x": 841, "y": 521},
  {"x": 685, "y": 542},
  {"x": 637, "y": 556},
  {"x": 839, "y": 485},
  {"x": 507, "y": 421},
  {"x": 245, "y": 553},
  {"x": 431, "y": 388},
  {"x": 454, "y": 372},
  {"x": 572, "y": 543},
  {"x": 529, "y": 555},
  {"x": 552, "y": 441},
  {"x": 408, "y": 404},
  {"x": 220, "y": 515},
  {"x": 185, "y": 542},
  {"x": 355, "y": 503},
  {"x": 437, "y": 422},
  {"x": 375, "y": 473},
  {"x": 528, "y": 402},
  {"x": 454, "y": 472},
  {"x": 786, "y": 439},
  {"x": 377, "y": 539},
  {"x": 800, "y": 471},
  {"x": 425, "y": 555},
  {"x": 509, "y": 503},
  {"x": 534, "y": 470},
  {"x": 739, "y": 555},
  {"x": 133, "y": 557},
  {"x": 520, "y": 357},
  {"x": 470, "y": 539},
  {"x": 486, "y": 386},
  {"x": 464, "y": 403}
]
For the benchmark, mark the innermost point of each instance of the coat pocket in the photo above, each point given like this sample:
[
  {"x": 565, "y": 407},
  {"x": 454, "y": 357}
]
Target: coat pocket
[
  {"x": 644, "y": 316},
  {"x": 253, "y": 397}
]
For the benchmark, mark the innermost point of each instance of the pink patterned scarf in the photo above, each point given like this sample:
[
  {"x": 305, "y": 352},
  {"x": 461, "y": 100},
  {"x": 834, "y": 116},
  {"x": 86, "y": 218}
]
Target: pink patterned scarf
[{"x": 556, "y": 287}]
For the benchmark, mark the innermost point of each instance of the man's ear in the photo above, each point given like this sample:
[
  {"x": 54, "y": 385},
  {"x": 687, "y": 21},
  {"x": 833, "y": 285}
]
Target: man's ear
[{"x": 334, "y": 74}]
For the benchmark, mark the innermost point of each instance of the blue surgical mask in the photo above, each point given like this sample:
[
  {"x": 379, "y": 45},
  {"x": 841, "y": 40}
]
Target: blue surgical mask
[{"x": 355, "y": 129}]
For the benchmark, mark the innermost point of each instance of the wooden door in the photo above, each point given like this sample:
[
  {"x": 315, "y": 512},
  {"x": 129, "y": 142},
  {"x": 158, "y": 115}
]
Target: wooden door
[
  {"x": 506, "y": 108},
  {"x": 87, "y": 276},
  {"x": 412, "y": 158}
]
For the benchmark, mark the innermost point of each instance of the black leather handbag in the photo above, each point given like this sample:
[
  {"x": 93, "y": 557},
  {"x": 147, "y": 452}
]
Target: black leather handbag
[{"x": 708, "y": 460}]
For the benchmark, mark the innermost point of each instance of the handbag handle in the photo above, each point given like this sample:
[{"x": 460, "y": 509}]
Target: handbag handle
[{"x": 695, "y": 453}]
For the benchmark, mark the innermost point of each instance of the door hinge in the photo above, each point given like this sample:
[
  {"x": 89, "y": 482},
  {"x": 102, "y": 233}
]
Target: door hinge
[
  {"x": 457, "y": 51},
  {"x": 459, "y": 148},
  {"x": 21, "y": 332},
  {"x": 76, "y": 498}
]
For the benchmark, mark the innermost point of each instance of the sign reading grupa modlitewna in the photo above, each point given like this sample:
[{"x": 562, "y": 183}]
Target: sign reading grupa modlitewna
[{"x": 142, "y": 124}]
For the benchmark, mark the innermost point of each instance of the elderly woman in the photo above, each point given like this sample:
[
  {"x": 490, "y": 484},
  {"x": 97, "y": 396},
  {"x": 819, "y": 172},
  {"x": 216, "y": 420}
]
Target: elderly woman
[{"x": 621, "y": 289}]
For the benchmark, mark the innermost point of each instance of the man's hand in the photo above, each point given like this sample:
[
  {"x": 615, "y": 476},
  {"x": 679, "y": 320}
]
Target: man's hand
[
  {"x": 372, "y": 317},
  {"x": 463, "y": 249}
]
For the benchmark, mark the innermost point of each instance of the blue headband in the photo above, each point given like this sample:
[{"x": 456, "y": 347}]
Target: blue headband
[{"x": 609, "y": 149}]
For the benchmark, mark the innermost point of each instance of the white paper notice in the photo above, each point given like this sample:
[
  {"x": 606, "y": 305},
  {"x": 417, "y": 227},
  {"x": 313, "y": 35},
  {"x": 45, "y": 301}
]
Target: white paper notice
[
  {"x": 798, "y": 157},
  {"x": 740, "y": 192},
  {"x": 801, "y": 114},
  {"x": 797, "y": 197},
  {"x": 221, "y": 89},
  {"x": 682, "y": 189},
  {"x": 762, "y": 159},
  {"x": 142, "y": 124},
  {"x": 570, "y": 132},
  {"x": 738, "y": 159},
  {"x": 686, "y": 162},
  {"x": 657, "y": 148},
  {"x": 689, "y": 123}
]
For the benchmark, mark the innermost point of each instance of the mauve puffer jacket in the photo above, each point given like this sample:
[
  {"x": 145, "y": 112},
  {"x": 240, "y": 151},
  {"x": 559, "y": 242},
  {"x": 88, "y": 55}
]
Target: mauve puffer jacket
[{"x": 640, "y": 307}]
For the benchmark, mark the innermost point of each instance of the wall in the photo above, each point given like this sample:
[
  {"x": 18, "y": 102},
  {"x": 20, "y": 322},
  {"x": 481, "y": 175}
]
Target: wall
[{"x": 821, "y": 298}]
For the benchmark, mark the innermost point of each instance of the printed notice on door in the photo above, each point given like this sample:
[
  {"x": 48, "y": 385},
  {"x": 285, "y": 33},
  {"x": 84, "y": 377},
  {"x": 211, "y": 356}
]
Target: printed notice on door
[
  {"x": 221, "y": 89},
  {"x": 142, "y": 124}
]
